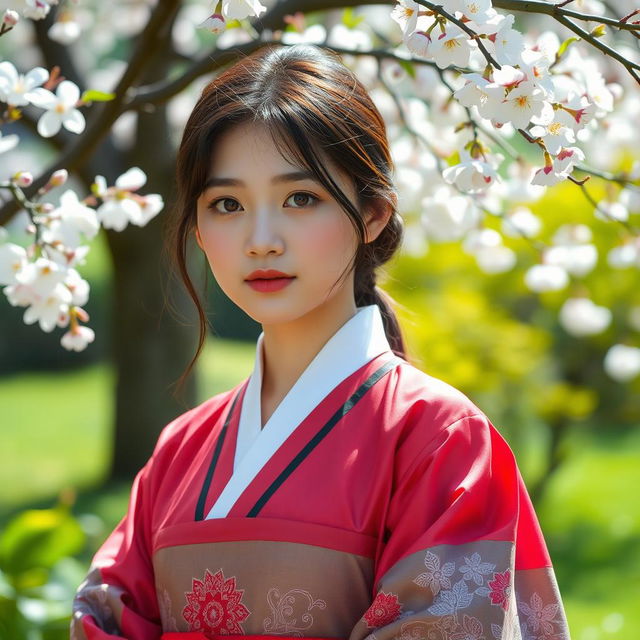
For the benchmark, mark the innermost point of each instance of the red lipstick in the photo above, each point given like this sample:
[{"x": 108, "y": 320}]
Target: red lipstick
[{"x": 266, "y": 280}]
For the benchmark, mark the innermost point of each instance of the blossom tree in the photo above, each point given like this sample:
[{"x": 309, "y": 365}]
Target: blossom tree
[{"x": 488, "y": 104}]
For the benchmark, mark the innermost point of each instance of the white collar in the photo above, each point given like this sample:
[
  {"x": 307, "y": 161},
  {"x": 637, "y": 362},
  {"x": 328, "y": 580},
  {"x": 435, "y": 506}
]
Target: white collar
[{"x": 355, "y": 343}]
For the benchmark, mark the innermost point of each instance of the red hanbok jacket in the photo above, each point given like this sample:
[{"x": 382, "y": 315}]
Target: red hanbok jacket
[{"x": 393, "y": 510}]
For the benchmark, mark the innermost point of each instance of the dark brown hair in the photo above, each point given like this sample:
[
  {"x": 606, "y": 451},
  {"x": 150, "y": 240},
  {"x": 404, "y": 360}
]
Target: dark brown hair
[{"x": 313, "y": 106}]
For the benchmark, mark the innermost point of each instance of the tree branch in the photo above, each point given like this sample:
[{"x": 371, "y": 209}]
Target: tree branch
[
  {"x": 553, "y": 10},
  {"x": 470, "y": 32},
  {"x": 162, "y": 91},
  {"x": 106, "y": 113},
  {"x": 632, "y": 67}
]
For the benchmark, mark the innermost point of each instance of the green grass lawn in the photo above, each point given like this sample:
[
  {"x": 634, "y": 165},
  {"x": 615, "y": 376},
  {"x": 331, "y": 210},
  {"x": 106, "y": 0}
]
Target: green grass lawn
[{"x": 55, "y": 434}]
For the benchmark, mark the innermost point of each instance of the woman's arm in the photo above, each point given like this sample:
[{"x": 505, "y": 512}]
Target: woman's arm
[{"x": 464, "y": 557}]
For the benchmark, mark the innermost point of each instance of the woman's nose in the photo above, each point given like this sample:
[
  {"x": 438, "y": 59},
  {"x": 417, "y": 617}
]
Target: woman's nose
[{"x": 265, "y": 235}]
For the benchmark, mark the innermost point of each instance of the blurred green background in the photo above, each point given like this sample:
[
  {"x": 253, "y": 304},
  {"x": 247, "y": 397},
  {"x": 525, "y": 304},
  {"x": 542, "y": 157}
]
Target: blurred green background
[{"x": 575, "y": 432}]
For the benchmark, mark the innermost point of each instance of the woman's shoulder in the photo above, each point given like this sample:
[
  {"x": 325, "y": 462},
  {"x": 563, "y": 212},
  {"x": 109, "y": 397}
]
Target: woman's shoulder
[
  {"x": 425, "y": 408},
  {"x": 195, "y": 422},
  {"x": 431, "y": 397}
]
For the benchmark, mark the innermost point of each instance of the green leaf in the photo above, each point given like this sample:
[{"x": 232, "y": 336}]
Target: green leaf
[
  {"x": 350, "y": 19},
  {"x": 37, "y": 539},
  {"x": 408, "y": 67},
  {"x": 565, "y": 45},
  {"x": 92, "y": 95}
]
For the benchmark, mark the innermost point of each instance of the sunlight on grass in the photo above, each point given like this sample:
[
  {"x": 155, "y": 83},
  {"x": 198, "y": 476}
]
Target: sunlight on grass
[{"x": 56, "y": 426}]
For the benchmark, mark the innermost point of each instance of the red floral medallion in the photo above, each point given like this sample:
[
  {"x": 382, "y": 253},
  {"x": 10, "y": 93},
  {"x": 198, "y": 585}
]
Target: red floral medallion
[
  {"x": 214, "y": 605},
  {"x": 500, "y": 588},
  {"x": 383, "y": 610}
]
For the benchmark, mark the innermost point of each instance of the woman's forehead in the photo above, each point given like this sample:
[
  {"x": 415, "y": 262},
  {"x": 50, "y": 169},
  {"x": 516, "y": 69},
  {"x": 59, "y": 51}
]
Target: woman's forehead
[{"x": 247, "y": 141}]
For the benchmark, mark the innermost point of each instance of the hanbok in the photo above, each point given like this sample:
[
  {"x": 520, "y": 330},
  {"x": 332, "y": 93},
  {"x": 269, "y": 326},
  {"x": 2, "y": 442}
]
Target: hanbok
[{"x": 376, "y": 502}]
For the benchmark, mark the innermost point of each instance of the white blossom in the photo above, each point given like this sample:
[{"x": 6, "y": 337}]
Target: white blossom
[
  {"x": 60, "y": 109},
  {"x": 418, "y": 43},
  {"x": 77, "y": 338},
  {"x": 611, "y": 211},
  {"x": 356, "y": 39},
  {"x": 546, "y": 277},
  {"x": 622, "y": 362},
  {"x": 70, "y": 221},
  {"x": 521, "y": 103},
  {"x": 215, "y": 23},
  {"x": 78, "y": 287},
  {"x": 37, "y": 9},
  {"x": 508, "y": 44},
  {"x": 315, "y": 34},
  {"x": 561, "y": 166},
  {"x": 17, "y": 89},
  {"x": 578, "y": 260},
  {"x": 521, "y": 222},
  {"x": 405, "y": 13},
  {"x": 120, "y": 206},
  {"x": 630, "y": 198},
  {"x": 446, "y": 216},
  {"x": 472, "y": 174},
  {"x": 556, "y": 134},
  {"x": 65, "y": 32},
  {"x": 451, "y": 48},
  {"x": 582, "y": 317},
  {"x": 496, "y": 259},
  {"x": 10, "y": 17},
  {"x": 625, "y": 255},
  {"x": 13, "y": 259},
  {"x": 478, "y": 11},
  {"x": 240, "y": 9}
]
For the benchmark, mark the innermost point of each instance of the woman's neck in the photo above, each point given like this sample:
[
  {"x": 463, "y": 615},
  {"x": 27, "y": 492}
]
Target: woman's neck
[{"x": 288, "y": 349}]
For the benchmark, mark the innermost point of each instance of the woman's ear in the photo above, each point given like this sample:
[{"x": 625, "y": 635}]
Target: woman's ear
[
  {"x": 377, "y": 216},
  {"x": 198, "y": 238}
]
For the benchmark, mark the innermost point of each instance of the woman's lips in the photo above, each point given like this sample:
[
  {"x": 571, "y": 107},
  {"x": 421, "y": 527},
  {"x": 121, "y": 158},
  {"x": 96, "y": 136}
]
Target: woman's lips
[{"x": 269, "y": 284}]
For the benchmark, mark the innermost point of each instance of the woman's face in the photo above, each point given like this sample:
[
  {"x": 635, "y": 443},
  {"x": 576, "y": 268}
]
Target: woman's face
[{"x": 252, "y": 215}]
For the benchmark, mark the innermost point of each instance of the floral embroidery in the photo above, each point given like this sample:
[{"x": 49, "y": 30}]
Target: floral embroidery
[
  {"x": 283, "y": 609},
  {"x": 426, "y": 630},
  {"x": 474, "y": 569},
  {"x": 436, "y": 578},
  {"x": 539, "y": 616},
  {"x": 214, "y": 605},
  {"x": 471, "y": 630},
  {"x": 383, "y": 610},
  {"x": 448, "y": 602},
  {"x": 500, "y": 589}
]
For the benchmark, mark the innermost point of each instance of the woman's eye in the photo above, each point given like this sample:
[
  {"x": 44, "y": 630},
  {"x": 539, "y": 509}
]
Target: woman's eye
[
  {"x": 298, "y": 200},
  {"x": 230, "y": 205},
  {"x": 302, "y": 199}
]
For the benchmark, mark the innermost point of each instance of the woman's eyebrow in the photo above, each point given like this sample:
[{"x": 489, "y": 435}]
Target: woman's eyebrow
[{"x": 293, "y": 176}]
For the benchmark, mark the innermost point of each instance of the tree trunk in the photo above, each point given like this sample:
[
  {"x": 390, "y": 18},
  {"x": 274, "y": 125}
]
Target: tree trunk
[{"x": 151, "y": 347}]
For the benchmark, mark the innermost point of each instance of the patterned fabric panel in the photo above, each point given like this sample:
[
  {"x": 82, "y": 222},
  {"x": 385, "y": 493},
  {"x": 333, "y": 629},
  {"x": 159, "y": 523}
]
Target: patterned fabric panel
[
  {"x": 464, "y": 592},
  {"x": 261, "y": 588}
]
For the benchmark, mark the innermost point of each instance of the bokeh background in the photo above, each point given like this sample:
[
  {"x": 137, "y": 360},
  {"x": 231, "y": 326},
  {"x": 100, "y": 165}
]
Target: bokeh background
[{"x": 575, "y": 431}]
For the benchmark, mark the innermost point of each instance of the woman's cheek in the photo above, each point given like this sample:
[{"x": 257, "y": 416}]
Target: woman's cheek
[{"x": 331, "y": 243}]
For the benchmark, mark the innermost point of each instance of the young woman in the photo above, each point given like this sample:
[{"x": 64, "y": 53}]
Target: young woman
[{"x": 338, "y": 491}]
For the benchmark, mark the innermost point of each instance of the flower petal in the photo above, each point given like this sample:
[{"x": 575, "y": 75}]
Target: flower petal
[
  {"x": 9, "y": 72},
  {"x": 73, "y": 121},
  {"x": 42, "y": 98},
  {"x": 36, "y": 77},
  {"x": 49, "y": 124},
  {"x": 68, "y": 93},
  {"x": 132, "y": 179}
]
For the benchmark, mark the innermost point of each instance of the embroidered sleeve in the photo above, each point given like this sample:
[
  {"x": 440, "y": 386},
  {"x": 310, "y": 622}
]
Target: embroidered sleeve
[
  {"x": 464, "y": 557},
  {"x": 118, "y": 597}
]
